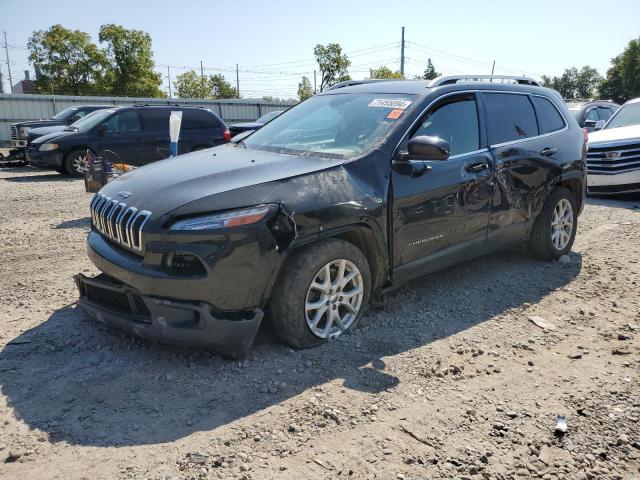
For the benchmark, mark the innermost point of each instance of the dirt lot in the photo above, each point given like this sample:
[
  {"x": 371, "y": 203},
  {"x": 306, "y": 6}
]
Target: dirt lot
[{"x": 452, "y": 379}]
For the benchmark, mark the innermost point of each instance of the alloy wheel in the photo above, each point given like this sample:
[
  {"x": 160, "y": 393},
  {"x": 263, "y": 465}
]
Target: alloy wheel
[
  {"x": 78, "y": 164},
  {"x": 334, "y": 298},
  {"x": 562, "y": 224}
]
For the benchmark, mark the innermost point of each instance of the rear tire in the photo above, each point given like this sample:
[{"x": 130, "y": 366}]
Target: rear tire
[
  {"x": 74, "y": 163},
  {"x": 555, "y": 228},
  {"x": 322, "y": 292}
]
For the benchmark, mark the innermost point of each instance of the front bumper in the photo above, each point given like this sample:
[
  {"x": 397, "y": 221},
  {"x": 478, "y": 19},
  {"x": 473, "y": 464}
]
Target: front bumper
[
  {"x": 614, "y": 183},
  {"x": 122, "y": 307},
  {"x": 48, "y": 159}
]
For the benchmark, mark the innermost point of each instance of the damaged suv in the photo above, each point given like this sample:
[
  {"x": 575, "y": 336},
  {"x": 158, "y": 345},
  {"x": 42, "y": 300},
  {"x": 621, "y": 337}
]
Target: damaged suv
[{"x": 346, "y": 195}]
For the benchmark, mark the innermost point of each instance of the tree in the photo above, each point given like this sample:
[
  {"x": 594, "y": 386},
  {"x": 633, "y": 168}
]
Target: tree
[
  {"x": 430, "y": 72},
  {"x": 587, "y": 82},
  {"x": 131, "y": 66},
  {"x": 67, "y": 61},
  {"x": 191, "y": 85},
  {"x": 385, "y": 72},
  {"x": 574, "y": 83},
  {"x": 304, "y": 89},
  {"x": 333, "y": 65},
  {"x": 220, "y": 88},
  {"x": 623, "y": 78}
]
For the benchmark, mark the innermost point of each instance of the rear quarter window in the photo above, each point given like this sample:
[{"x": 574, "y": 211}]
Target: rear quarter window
[
  {"x": 198, "y": 119},
  {"x": 510, "y": 117},
  {"x": 549, "y": 119}
]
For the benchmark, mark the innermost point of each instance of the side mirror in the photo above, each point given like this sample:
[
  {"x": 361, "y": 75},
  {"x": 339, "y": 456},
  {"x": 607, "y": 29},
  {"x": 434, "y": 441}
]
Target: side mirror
[
  {"x": 589, "y": 124},
  {"x": 423, "y": 147},
  {"x": 102, "y": 129},
  {"x": 599, "y": 125}
]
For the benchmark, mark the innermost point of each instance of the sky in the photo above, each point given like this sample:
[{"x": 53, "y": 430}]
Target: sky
[{"x": 272, "y": 41}]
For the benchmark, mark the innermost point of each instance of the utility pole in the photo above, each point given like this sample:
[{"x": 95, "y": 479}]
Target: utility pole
[
  {"x": 315, "y": 90},
  {"x": 6, "y": 50},
  {"x": 201, "y": 75},
  {"x": 237, "y": 81},
  {"x": 169, "y": 77},
  {"x": 402, "y": 54},
  {"x": 493, "y": 67}
]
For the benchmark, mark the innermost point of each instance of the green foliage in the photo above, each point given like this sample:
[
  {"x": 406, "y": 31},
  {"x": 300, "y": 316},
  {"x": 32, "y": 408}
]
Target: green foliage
[
  {"x": 385, "y": 72},
  {"x": 131, "y": 62},
  {"x": 574, "y": 83},
  {"x": 333, "y": 65},
  {"x": 430, "y": 72},
  {"x": 67, "y": 62},
  {"x": 191, "y": 85},
  {"x": 623, "y": 78},
  {"x": 304, "y": 89}
]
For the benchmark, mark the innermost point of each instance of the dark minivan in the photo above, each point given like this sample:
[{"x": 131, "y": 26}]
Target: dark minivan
[
  {"x": 344, "y": 196},
  {"x": 134, "y": 135}
]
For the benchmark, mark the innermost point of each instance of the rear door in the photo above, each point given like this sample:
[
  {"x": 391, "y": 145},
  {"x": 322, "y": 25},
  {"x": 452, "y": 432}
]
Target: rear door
[
  {"x": 524, "y": 137},
  {"x": 155, "y": 125},
  {"x": 200, "y": 129},
  {"x": 441, "y": 208}
]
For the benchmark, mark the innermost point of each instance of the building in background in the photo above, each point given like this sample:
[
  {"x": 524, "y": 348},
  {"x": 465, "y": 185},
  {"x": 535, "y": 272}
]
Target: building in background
[{"x": 25, "y": 86}]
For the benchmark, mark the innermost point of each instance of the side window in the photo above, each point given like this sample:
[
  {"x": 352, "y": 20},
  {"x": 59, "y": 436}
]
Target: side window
[
  {"x": 549, "y": 119},
  {"x": 456, "y": 122},
  {"x": 592, "y": 115},
  {"x": 604, "y": 113},
  {"x": 124, "y": 122},
  {"x": 193, "y": 119},
  {"x": 155, "y": 120},
  {"x": 511, "y": 117}
]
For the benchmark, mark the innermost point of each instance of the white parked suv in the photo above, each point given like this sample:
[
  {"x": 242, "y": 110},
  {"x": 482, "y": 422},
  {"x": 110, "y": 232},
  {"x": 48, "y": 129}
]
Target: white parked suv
[{"x": 613, "y": 159}]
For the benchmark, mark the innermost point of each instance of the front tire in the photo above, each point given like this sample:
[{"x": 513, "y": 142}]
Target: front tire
[
  {"x": 555, "y": 228},
  {"x": 74, "y": 163},
  {"x": 321, "y": 294}
]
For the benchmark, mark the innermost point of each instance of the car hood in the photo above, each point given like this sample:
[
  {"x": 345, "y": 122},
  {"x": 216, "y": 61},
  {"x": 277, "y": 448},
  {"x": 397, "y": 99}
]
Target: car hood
[
  {"x": 40, "y": 131},
  {"x": 56, "y": 135},
  {"x": 610, "y": 135},
  {"x": 245, "y": 125},
  {"x": 38, "y": 123},
  {"x": 164, "y": 186}
]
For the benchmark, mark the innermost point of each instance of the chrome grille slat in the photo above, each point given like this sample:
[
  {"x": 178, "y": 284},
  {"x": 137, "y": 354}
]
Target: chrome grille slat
[{"x": 118, "y": 222}]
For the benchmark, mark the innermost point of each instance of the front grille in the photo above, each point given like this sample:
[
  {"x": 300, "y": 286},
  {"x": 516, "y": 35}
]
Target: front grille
[
  {"x": 613, "y": 159},
  {"x": 14, "y": 132},
  {"x": 115, "y": 297},
  {"x": 626, "y": 187},
  {"x": 118, "y": 222}
]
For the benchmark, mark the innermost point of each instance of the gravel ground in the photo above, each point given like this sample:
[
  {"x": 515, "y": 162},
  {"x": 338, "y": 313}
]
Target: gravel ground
[{"x": 453, "y": 378}]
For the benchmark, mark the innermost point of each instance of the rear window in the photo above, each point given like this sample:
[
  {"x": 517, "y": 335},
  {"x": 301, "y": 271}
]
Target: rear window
[
  {"x": 155, "y": 120},
  {"x": 195, "y": 119},
  {"x": 549, "y": 119},
  {"x": 511, "y": 117}
]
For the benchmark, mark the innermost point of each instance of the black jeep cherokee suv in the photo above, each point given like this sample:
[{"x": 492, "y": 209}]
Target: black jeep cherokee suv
[{"x": 349, "y": 193}]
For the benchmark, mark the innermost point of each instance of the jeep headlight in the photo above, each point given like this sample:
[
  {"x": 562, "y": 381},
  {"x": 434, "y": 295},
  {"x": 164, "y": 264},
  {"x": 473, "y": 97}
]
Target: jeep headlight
[
  {"x": 235, "y": 218},
  {"x": 45, "y": 147}
]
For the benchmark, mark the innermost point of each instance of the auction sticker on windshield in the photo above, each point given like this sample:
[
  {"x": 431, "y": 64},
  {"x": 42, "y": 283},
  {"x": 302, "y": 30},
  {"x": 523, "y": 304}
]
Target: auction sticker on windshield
[{"x": 398, "y": 103}]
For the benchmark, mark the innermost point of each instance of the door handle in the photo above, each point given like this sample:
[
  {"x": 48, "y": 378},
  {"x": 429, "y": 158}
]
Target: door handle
[
  {"x": 547, "y": 152},
  {"x": 477, "y": 167}
]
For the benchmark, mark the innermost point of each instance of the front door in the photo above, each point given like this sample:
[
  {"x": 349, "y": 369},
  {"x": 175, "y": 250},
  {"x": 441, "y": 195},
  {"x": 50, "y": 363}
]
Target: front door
[
  {"x": 120, "y": 141},
  {"x": 441, "y": 207}
]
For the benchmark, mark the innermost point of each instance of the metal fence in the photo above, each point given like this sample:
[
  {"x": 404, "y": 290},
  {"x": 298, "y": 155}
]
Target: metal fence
[{"x": 17, "y": 108}]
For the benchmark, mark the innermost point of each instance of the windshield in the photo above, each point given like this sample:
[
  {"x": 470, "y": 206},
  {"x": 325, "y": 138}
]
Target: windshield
[
  {"x": 87, "y": 122},
  {"x": 628, "y": 114},
  {"x": 82, "y": 119},
  {"x": 268, "y": 116},
  {"x": 64, "y": 114},
  {"x": 340, "y": 126}
]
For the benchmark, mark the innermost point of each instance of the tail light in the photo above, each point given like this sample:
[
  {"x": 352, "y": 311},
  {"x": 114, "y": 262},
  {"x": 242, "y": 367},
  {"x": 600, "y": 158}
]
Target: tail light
[
  {"x": 585, "y": 134},
  {"x": 227, "y": 136}
]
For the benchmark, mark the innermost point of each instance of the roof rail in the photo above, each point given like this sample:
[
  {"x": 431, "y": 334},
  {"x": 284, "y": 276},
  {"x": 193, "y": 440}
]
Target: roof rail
[
  {"x": 350, "y": 83},
  {"x": 451, "y": 79}
]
